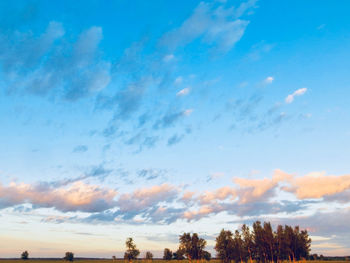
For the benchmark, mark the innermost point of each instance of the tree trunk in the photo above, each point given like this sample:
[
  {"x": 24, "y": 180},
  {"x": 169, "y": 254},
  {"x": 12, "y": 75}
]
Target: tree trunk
[{"x": 250, "y": 255}]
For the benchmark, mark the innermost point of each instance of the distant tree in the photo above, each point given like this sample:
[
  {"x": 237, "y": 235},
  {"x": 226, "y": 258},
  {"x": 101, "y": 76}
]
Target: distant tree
[
  {"x": 269, "y": 241},
  {"x": 262, "y": 244},
  {"x": 168, "y": 254},
  {"x": 69, "y": 256},
  {"x": 224, "y": 246},
  {"x": 206, "y": 255},
  {"x": 179, "y": 254},
  {"x": 237, "y": 247},
  {"x": 193, "y": 246},
  {"x": 25, "y": 255},
  {"x": 149, "y": 256},
  {"x": 114, "y": 258},
  {"x": 248, "y": 244},
  {"x": 131, "y": 252}
]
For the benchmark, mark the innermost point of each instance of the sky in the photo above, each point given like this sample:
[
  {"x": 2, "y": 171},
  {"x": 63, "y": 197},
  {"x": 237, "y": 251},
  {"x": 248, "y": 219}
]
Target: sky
[{"x": 148, "y": 119}]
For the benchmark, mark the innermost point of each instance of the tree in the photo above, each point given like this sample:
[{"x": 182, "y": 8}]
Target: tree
[
  {"x": 262, "y": 244},
  {"x": 237, "y": 247},
  {"x": 224, "y": 246},
  {"x": 168, "y": 254},
  {"x": 131, "y": 252},
  {"x": 149, "y": 256},
  {"x": 193, "y": 246},
  {"x": 69, "y": 256},
  {"x": 114, "y": 258},
  {"x": 25, "y": 255},
  {"x": 206, "y": 255},
  {"x": 179, "y": 254},
  {"x": 248, "y": 244}
]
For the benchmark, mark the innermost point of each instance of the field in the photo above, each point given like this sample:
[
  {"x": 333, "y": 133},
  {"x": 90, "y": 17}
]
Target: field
[{"x": 123, "y": 261}]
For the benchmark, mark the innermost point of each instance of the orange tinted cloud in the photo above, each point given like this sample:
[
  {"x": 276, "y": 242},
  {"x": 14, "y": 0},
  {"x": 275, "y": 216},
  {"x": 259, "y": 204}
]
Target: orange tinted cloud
[{"x": 79, "y": 196}]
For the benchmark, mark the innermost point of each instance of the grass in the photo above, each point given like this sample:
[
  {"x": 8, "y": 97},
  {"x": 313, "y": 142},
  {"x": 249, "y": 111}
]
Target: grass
[{"x": 81, "y": 260}]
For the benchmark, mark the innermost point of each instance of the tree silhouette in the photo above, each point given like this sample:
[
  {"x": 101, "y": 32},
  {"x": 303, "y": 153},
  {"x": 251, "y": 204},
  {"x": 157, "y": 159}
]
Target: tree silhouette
[
  {"x": 224, "y": 246},
  {"x": 168, "y": 254},
  {"x": 262, "y": 244},
  {"x": 179, "y": 254},
  {"x": 206, "y": 255},
  {"x": 149, "y": 256},
  {"x": 131, "y": 252},
  {"x": 193, "y": 246},
  {"x": 69, "y": 256},
  {"x": 25, "y": 255}
]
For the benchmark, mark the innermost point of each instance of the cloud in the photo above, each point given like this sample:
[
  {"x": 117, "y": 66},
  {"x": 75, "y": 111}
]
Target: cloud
[
  {"x": 77, "y": 197},
  {"x": 80, "y": 148},
  {"x": 178, "y": 80},
  {"x": 269, "y": 80},
  {"x": 168, "y": 57},
  {"x": 171, "y": 118},
  {"x": 145, "y": 198},
  {"x": 176, "y": 138},
  {"x": 165, "y": 203},
  {"x": 151, "y": 174},
  {"x": 51, "y": 64},
  {"x": 299, "y": 92},
  {"x": 213, "y": 25},
  {"x": 183, "y": 92},
  {"x": 318, "y": 185}
]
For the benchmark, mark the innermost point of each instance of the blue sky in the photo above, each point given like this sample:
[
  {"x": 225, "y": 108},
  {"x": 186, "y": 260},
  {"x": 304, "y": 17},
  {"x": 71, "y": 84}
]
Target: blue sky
[{"x": 151, "y": 118}]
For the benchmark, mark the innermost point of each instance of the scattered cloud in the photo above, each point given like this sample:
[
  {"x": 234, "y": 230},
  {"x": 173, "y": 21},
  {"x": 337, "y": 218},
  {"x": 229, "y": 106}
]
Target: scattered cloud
[
  {"x": 176, "y": 138},
  {"x": 168, "y": 57},
  {"x": 269, "y": 80},
  {"x": 290, "y": 98},
  {"x": 29, "y": 63},
  {"x": 80, "y": 148},
  {"x": 76, "y": 197},
  {"x": 168, "y": 203},
  {"x": 212, "y": 24},
  {"x": 183, "y": 92}
]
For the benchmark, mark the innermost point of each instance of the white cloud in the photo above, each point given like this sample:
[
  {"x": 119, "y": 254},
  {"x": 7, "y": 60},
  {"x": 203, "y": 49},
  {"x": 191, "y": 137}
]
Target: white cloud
[
  {"x": 168, "y": 57},
  {"x": 218, "y": 26},
  {"x": 299, "y": 92},
  {"x": 269, "y": 80},
  {"x": 178, "y": 80},
  {"x": 183, "y": 92},
  {"x": 188, "y": 112}
]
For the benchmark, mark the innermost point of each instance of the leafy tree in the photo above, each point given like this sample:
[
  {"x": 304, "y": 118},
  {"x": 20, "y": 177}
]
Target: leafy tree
[
  {"x": 131, "y": 252},
  {"x": 179, "y": 254},
  {"x": 206, "y": 255},
  {"x": 262, "y": 244},
  {"x": 237, "y": 252},
  {"x": 193, "y": 246},
  {"x": 248, "y": 244},
  {"x": 25, "y": 255},
  {"x": 224, "y": 246},
  {"x": 149, "y": 256},
  {"x": 69, "y": 256},
  {"x": 168, "y": 254},
  {"x": 269, "y": 241}
]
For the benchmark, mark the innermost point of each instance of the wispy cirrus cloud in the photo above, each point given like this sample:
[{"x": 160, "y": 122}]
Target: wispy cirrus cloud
[
  {"x": 50, "y": 64},
  {"x": 290, "y": 98},
  {"x": 215, "y": 25}
]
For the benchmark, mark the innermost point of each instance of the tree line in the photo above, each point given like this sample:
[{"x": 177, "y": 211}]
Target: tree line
[
  {"x": 259, "y": 244},
  {"x": 262, "y": 244}
]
